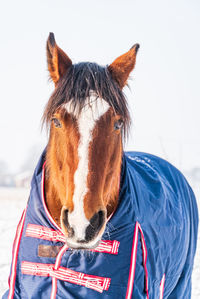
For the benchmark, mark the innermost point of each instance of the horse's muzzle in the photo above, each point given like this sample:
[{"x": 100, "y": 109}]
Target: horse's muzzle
[{"x": 90, "y": 233}]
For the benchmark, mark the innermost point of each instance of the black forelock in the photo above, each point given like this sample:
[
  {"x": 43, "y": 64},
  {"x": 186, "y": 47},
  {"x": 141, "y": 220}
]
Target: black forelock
[{"x": 77, "y": 84}]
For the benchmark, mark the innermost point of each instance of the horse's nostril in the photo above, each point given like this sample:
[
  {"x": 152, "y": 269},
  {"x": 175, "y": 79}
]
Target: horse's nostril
[
  {"x": 96, "y": 223},
  {"x": 97, "y": 220},
  {"x": 70, "y": 230},
  {"x": 65, "y": 217}
]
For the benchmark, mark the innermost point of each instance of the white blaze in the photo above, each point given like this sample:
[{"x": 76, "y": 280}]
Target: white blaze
[{"x": 93, "y": 109}]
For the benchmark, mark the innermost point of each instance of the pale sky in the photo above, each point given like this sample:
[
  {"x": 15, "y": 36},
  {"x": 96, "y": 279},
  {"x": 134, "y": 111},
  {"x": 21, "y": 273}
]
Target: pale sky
[{"x": 165, "y": 89}]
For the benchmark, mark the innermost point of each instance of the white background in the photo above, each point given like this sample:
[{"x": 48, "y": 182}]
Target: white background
[{"x": 165, "y": 92}]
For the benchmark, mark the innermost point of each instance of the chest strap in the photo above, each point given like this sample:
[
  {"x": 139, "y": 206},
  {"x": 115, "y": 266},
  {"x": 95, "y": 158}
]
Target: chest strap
[
  {"x": 45, "y": 233},
  {"x": 96, "y": 283}
]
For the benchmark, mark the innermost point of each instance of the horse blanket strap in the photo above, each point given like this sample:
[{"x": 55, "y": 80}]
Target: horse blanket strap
[
  {"x": 146, "y": 252},
  {"x": 45, "y": 233},
  {"x": 96, "y": 283}
]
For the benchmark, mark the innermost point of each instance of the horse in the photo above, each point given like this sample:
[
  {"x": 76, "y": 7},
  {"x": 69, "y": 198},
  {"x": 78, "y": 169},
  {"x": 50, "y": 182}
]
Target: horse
[{"x": 101, "y": 222}]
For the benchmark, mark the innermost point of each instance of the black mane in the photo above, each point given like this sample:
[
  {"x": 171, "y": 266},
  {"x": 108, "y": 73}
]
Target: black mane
[{"x": 76, "y": 85}]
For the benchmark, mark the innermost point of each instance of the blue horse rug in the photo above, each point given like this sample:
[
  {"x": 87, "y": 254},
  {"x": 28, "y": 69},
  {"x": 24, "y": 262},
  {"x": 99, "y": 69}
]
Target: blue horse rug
[{"x": 147, "y": 250}]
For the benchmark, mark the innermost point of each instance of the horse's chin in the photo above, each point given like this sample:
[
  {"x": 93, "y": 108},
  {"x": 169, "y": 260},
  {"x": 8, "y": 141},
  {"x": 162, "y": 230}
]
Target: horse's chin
[{"x": 82, "y": 246}]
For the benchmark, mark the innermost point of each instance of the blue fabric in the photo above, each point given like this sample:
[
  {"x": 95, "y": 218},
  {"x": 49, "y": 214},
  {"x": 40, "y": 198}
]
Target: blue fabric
[{"x": 155, "y": 194}]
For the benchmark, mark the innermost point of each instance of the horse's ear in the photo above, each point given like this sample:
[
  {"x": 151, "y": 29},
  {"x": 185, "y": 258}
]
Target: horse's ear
[
  {"x": 123, "y": 65},
  {"x": 58, "y": 62}
]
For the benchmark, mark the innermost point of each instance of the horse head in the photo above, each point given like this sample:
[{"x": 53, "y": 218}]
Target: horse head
[{"x": 88, "y": 118}]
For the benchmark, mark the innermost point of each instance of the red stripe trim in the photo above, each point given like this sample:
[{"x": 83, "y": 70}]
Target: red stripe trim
[
  {"x": 15, "y": 255},
  {"x": 96, "y": 283},
  {"x": 45, "y": 233},
  {"x": 162, "y": 285},
  {"x": 133, "y": 263},
  {"x": 144, "y": 252}
]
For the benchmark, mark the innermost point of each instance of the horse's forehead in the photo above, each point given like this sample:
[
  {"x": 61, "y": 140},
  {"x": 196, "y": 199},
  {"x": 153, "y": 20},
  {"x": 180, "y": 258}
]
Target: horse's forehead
[{"x": 94, "y": 107}]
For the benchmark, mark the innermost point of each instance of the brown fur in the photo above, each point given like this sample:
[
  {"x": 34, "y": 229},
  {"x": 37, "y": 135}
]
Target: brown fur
[
  {"x": 105, "y": 155},
  {"x": 123, "y": 65},
  {"x": 62, "y": 161},
  {"x": 74, "y": 82},
  {"x": 58, "y": 62}
]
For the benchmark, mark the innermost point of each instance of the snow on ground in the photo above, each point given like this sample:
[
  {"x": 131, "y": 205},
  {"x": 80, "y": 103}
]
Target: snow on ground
[{"x": 12, "y": 203}]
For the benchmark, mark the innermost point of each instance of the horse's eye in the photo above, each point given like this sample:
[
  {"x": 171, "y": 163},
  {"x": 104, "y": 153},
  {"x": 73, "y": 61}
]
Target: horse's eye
[
  {"x": 118, "y": 124},
  {"x": 57, "y": 123}
]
